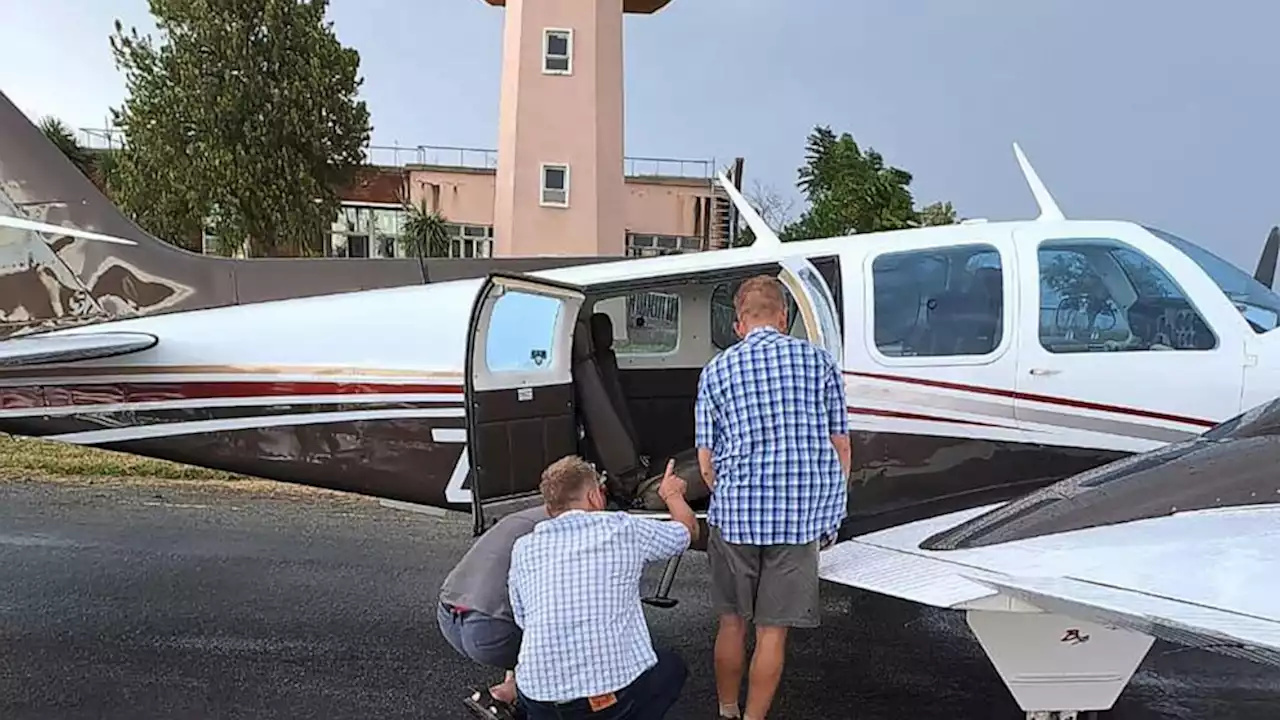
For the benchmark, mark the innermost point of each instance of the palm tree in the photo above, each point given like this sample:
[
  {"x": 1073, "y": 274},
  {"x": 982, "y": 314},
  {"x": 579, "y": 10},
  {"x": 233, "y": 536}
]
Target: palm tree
[
  {"x": 61, "y": 136},
  {"x": 426, "y": 232}
]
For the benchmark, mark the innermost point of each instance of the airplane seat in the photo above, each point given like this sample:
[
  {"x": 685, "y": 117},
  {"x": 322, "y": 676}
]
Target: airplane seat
[
  {"x": 609, "y": 443},
  {"x": 607, "y": 360},
  {"x": 607, "y": 421}
]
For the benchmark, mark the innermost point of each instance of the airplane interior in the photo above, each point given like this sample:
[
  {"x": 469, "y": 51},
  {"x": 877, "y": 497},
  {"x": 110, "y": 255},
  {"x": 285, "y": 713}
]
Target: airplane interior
[{"x": 637, "y": 350}]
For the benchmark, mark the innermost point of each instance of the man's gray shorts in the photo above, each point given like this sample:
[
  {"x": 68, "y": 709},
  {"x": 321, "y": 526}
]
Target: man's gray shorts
[{"x": 770, "y": 585}]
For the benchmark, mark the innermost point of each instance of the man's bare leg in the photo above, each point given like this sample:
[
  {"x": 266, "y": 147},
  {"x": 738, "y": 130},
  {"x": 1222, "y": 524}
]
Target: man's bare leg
[
  {"x": 730, "y": 660},
  {"x": 766, "y": 670},
  {"x": 506, "y": 690}
]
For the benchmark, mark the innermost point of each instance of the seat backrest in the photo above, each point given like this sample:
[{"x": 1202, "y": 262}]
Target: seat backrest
[
  {"x": 614, "y": 447},
  {"x": 607, "y": 360}
]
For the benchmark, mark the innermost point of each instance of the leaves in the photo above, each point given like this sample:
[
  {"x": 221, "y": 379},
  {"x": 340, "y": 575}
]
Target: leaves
[
  {"x": 245, "y": 112},
  {"x": 426, "y": 232},
  {"x": 851, "y": 190},
  {"x": 61, "y": 136}
]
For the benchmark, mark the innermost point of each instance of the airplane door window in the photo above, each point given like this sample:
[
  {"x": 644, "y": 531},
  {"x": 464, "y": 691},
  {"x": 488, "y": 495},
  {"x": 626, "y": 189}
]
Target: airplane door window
[
  {"x": 938, "y": 301},
  {"x": 522, "y": 332},
  {"x": 1104, "y": 296}
]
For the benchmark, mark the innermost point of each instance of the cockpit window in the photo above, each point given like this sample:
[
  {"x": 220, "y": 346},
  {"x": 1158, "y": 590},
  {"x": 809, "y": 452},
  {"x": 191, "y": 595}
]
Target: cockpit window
[{"x": 1259, "y": 304}]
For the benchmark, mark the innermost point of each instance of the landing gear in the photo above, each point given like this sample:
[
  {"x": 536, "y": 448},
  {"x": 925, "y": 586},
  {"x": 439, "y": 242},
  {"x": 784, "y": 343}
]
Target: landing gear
[
  {"x": 1056, "y": 667},
  {"x": 662, "y": 599}
]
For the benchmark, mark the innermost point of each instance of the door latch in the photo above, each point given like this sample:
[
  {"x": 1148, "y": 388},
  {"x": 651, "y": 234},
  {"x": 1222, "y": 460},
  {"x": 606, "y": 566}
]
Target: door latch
[{"x": 1044, "y": 371}]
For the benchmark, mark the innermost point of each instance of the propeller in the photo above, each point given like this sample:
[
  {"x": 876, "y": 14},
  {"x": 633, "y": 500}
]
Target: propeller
[
  {"x": 764, "y": 234},
  {"x": 1266, "y": 272},
  {"x": 22, "y": 224}
]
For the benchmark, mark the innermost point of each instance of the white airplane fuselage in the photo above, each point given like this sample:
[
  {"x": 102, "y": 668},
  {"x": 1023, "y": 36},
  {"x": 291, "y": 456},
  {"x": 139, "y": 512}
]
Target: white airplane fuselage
[{"x": 981, "y": 361}]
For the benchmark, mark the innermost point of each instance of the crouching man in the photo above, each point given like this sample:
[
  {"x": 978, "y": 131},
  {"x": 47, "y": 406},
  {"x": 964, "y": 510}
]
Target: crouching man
[
  {"x": 575, "y": 591},
  {"x": 475, "y": 611}
]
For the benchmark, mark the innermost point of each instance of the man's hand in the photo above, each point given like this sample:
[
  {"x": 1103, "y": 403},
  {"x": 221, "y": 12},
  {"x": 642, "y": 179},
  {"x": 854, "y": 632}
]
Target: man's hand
[{"x": 671, "y": 485}]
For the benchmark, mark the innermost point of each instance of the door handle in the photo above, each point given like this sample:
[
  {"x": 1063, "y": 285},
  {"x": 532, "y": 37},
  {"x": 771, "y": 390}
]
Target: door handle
[{"x": 1044, "y": 371}]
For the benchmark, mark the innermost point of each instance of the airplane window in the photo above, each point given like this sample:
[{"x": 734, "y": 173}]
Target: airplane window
[
  {"x": 1259, "y": 304},
  {"x": 1104, "y": 296},
  {"x": 938, "y": 302},
  {"x": 522, "y": 332},
  {"x": 723, "y": 316},
  {"x": 645, "y": 323}
]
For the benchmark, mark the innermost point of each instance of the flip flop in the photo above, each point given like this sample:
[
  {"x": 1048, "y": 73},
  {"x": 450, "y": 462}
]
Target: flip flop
[{"x": 486, "y": 706}]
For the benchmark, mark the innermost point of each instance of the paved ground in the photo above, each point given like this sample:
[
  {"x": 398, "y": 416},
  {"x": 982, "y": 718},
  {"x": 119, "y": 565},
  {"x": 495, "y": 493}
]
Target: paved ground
[{"x": 137, "y": 604}]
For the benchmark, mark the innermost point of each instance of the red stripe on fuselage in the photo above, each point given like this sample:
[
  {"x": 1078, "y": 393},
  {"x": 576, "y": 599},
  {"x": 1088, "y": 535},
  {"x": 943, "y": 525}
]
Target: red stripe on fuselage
[
  {"x": 899, "y": 415},
  {"x": 1015, "y": 395},
  {"x": 118, "y": 393}
]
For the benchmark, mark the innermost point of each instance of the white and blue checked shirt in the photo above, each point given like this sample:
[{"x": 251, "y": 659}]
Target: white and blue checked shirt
[
  {"x": 575, "y": 592},
  {"x": 767, "y": 408}
]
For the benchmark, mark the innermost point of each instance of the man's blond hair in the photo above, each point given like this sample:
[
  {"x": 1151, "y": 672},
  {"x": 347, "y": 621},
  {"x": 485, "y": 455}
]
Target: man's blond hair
[
  {"x": 566, "y": 481},
  {"x": 759, "y": 298}
]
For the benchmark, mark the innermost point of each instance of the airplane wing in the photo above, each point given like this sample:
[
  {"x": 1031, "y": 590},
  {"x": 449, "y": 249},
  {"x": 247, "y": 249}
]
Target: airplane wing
[
  {"x": 1066, "y": 618},
  {"x": 60, "y": 348}
]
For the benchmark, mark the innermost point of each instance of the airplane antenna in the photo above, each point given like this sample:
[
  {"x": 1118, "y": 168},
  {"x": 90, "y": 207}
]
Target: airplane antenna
[
  {"x": 1266, "y": 272},
  {"x": 764, "y": 234},
  {"x": 1048, "y": 208},
  {"x": 22, "y": 224}
]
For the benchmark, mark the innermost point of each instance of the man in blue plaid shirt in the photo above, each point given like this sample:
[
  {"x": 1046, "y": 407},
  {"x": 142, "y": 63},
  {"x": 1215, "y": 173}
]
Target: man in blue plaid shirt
[
  {"x": 575, "y": 591},
  {"x": 772, "y": 430}
]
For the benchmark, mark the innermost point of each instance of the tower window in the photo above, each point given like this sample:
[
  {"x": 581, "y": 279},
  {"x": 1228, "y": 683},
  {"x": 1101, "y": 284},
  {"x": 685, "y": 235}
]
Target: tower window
[
  {"x": 557, "y": 52},
  {"x": 555, "y": 185}
]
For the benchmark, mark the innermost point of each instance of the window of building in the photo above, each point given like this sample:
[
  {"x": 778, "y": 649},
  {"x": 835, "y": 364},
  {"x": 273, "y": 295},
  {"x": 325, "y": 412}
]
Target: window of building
[
  {"x": 557, "y": 52},
  {"x": 1104, "y": 296},
  {"x": 651, "y": 245},
  {"x": 938, "y": 301},
  {"x": 645, "y": 323},
  {"x": 555, "y": 185}
]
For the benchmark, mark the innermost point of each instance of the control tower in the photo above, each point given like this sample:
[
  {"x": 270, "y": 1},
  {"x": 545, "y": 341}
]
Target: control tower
[{"x": 560, "y": 127}]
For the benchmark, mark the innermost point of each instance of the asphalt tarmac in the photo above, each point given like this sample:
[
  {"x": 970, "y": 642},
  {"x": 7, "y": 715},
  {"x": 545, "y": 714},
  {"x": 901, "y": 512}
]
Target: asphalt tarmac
[{"x": 140, "y": 603}]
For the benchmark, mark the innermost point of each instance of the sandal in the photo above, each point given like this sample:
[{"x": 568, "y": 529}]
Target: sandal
[{"x": 486, "y": 707}]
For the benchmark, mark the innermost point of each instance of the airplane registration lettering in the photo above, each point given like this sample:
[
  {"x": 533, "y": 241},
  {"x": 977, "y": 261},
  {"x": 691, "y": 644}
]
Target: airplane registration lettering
[{"x": 455, "y": 491}]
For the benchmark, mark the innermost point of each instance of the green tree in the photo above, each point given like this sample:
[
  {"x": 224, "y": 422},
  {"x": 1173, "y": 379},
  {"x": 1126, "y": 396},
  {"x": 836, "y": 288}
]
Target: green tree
[
  {"x": 851, "y": 190},
  {"x": 244, "y": 117},
  {"x": 426, "y": 232},
  {"x": 61, "y": 136}
]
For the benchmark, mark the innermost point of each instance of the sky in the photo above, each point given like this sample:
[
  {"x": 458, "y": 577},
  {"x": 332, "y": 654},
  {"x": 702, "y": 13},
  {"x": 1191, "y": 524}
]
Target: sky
[{"x": 1155, "y": 111}]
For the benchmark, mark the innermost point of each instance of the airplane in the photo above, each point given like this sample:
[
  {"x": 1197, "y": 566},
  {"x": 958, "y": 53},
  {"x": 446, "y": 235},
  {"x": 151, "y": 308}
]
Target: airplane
[{"x": 1067, "y": 588}]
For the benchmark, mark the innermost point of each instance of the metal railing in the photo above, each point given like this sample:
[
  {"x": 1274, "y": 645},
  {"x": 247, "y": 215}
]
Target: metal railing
[{"x": 451, "y": 156}]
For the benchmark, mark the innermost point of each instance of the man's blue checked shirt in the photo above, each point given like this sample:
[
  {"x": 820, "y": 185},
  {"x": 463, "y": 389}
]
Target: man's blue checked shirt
[
  {"x": 575, "y": 591},
  {"x": 767, "y": 408}
]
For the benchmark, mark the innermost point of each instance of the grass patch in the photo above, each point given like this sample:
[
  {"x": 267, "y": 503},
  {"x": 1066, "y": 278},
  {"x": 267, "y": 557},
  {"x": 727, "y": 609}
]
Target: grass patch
[{"x": 33, "y": 459}]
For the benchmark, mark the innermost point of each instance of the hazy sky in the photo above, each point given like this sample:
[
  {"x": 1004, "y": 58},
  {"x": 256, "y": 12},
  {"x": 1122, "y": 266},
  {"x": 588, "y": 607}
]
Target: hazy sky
[{"x": 1158, "y": 111}]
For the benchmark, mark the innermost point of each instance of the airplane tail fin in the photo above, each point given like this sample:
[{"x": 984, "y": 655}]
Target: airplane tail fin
[{"x": 1266, "y": 272}]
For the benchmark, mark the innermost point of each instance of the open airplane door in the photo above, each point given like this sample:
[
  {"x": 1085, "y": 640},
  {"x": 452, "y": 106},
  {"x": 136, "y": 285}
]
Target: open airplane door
[
  {"x": 519, "y": 388},
  {"x": 816, "y": 303}
]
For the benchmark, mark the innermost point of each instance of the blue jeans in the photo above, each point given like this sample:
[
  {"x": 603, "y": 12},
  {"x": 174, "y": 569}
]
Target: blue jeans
[
  {"x": 648, "y": 697},
  {"x": 483, "y": 639}
]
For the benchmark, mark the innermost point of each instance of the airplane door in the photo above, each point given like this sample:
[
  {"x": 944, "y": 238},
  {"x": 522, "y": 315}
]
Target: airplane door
[
  {"x": 519, "y": 389},
  {"x": 816, "y": 303},
  {"x": 1115, "y": 352}
]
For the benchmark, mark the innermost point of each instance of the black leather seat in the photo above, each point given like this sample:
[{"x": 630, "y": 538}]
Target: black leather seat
[
  {"x": 605, "y": 419},
  {"x": 607, "y": 361}
]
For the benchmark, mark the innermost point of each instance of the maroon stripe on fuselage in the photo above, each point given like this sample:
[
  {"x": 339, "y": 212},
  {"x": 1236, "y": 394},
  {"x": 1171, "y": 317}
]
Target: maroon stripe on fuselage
[
  {"x": 64, "y": 395},
  {"x": 900, "y": 415},
  {"x": 1034, "y": 397}
]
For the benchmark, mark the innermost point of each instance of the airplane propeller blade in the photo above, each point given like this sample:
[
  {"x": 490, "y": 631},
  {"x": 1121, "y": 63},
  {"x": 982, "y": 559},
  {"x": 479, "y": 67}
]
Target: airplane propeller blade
[
  {"x": 1266, "y": 272},
  {"x": 22, "y": 224},
  {"x": 764, "y": 234}
]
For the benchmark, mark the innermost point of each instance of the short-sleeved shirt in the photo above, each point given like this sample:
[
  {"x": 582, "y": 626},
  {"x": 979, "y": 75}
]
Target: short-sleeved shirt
[
  {"x": 575, "y": 591},
  {"x": 767, "y": 408},
  {"x": 479, "y": 581}
]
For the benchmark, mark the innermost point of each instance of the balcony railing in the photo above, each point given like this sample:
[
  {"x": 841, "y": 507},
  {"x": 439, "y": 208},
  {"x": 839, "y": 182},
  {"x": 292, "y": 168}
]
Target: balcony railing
[{"x": 455, "y": 157}]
